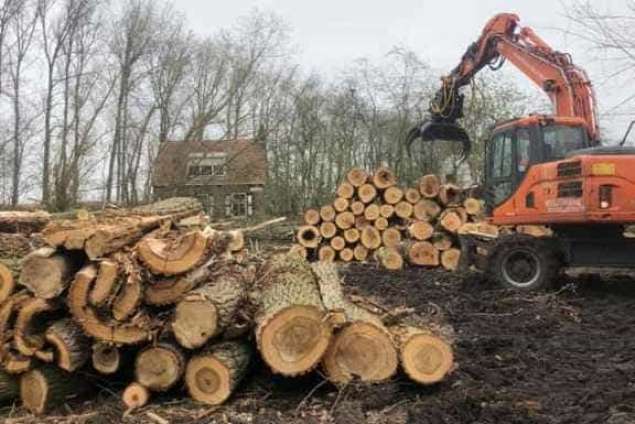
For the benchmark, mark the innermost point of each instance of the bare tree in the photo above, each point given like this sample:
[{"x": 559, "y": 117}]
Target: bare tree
[{"x": 22, "y": 31}]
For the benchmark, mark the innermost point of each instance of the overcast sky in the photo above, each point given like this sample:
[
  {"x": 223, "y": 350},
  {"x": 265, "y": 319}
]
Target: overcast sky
[{"x": 331, "y": 34}]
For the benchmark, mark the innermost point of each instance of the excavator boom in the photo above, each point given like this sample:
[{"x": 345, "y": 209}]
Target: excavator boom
[{"x": 566, "y": 85}]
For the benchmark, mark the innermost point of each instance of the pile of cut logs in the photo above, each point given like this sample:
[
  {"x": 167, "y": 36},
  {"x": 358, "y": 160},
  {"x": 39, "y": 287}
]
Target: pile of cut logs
[
  {"x": 373, "y": 218},
  {"x": 156, "y": 297}
]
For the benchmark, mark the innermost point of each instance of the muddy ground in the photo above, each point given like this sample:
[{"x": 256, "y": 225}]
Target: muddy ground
[{"x": 565, "y": 356}]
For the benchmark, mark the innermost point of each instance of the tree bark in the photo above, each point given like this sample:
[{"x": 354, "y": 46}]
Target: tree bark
[
  {"x": 47, "y": 273},
  {"x": 70, "y": 343},
  {"x": 23, "y": 222},
  {"x": 47, "y": 387}
]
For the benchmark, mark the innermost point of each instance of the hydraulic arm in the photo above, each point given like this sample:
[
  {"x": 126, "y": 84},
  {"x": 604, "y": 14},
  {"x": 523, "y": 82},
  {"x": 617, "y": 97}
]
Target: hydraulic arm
[{"x": 567, "y": 86}]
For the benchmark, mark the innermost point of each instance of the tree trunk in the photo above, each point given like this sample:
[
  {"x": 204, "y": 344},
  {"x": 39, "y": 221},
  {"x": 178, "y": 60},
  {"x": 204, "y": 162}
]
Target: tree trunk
[
  {"x": 404, "y": 210},
  {"x": 30, "y": 325},
  {"x": 90, "y": 321},
  {"x": 290, "y": 306},
  {"x": 135, "y": 396},
  {"x": 70, "y": 343},
  {"x": 450, "y": 259},
  {"x": 23, "y": 222},
  {"x": 47, "y": 273},
  {"x": 7, "y": 283},
  {"x": 160, "y": 367},
  {"x": 422, "y": 253},
  {"x": 389, "y": 258},
  {"x": 47, "y": 387},
  {"x": 208, "y": 310},
  {"x": 312, "y": 217},
  {"x": 9, "y": 388},
  {"x": 370, "y": 238},
  {"x": 420, "y": 230},
  {"x": 106, "y": 358},
  {"x": 308, "y": 236},
  {"x": 366, "y": 193},
  {"x": 384, "y": 178},
  {"x": 425, "y": 357},
  {"x": 357, "y": 177},
  {"x": 105, "y": 283},
  {"x": 171, "y": 257},
  {"x": 429, "y": 186},
  {"x": 363, "y": 348},
  {"x": 213, "y": 375},
  {"x": 346, "y": 190},
  {"x": 345, "y": 220}
]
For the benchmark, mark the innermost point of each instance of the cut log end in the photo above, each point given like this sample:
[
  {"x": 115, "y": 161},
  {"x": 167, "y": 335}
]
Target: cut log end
[
  {"x": 370, "y": 238},
  {"x": 360, "y": 252},
  {"x": 393, "y": 195},
  {"x": 391, "y": 238},
  {"x": 381, "y": 223},
  {"x": 451, "y": 221},
  {"x": 46, "y": 272},
  {"x": 420, "y": 230},
  {"x": 423, "y": 253},
  {"x": 135, "y": 396},
  {"x": 384, "y": 178},
  {"x": 390, "y": 258},
  {"x": 326, "y": 254},
  {"x": 387, "y": 211},
  {"x": 327, "y": 213},
  {"x": 426, "y": 359},
  {"x": 450, "y": 195},
  {"x": 293, "y": 341},
  {"x": 371, "y": 212},
  {"x": 195, "y": 322},
  {"x": 450, "y": 259},
  {"x": 338, "y": 243},
  {"x": 357, "y": 177},
  {"x": 346, "y": 255},
  {"x": 366, "y": 193},
  {"x": 404, "y": 210},
  {"x": 341, "y": 204},
  {"x": 171, "y": 257},
  {"x": 346, "y": 190},
  {"x": 312, "y": 217},
  {"x": 429, "y": 186},
  {"x": 7, "y": 283},
  {"x": 328, "y": 230},
  {"x": 361, "y": 350},
  {"x": 412, "y": 195},
  {"x": 309, "y": 236},
  {"x": 473, "y": 206},
  {"x": 47, "y": 387},
  {"x": 106, "y": 358},
  {"x": 208, "y": 380},
  {"x": 357, "y": 208},
  {"x": 345, "y": 220},
  {"x": 159, "y": 367},
  {"x": 351, "y": 235}
]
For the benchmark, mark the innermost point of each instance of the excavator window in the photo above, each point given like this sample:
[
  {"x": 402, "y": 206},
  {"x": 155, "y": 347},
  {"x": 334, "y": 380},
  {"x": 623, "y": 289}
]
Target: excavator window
[
  {"x": 561, "y": 139},
  {"x": 500, "y": 175}
]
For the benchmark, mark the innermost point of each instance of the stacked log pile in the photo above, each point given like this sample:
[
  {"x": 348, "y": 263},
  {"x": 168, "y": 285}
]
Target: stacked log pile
[
  {"x": 373, "y": 218},
  {"x": 140, "y": 296}
]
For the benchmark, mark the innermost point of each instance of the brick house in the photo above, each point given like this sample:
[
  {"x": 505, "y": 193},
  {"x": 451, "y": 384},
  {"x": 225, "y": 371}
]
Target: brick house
[{"x": 227, "y": 176}]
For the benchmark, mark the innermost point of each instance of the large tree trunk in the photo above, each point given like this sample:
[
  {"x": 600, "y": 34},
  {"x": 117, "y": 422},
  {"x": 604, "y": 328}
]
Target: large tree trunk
[
  {"x": 47, "y": 272},
  {"x": 292, "y": 332},
  {"x": 208, "y": 310},
  {"x": 363, "y": 347},
  {"x": 213, "y": 375}
]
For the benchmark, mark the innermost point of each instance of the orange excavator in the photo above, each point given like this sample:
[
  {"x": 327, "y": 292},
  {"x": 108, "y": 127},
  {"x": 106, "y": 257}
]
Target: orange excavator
[{"x": 543, "y": 170}]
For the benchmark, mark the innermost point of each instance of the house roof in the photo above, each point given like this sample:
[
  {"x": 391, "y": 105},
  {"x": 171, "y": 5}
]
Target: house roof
[{"x": 245, "y": 162}]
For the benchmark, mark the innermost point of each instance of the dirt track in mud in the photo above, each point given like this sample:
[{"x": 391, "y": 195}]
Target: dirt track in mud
[{"x": 566, "y": 356}]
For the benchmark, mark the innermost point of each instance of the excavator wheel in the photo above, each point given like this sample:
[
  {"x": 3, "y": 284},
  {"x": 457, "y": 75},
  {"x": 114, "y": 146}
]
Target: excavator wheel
[{"x": 526, "y": 263}]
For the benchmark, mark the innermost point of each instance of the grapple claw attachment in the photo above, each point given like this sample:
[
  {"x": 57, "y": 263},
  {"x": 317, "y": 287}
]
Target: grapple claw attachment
[{"x": 431, "y": 130}]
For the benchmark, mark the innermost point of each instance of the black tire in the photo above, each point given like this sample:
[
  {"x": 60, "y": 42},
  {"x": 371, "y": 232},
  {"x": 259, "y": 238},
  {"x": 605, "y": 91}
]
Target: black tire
[{"x": 525, "y": 263}]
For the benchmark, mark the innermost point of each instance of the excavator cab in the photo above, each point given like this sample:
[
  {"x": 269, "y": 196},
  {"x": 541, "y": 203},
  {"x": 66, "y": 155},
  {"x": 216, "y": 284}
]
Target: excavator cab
[{"x": 517, "y": 145}]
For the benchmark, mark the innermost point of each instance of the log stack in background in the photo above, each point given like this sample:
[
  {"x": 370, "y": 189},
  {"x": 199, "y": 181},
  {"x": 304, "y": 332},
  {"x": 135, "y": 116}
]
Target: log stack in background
[
  {"x": 373, "y": 218},
  {"x": 139, "y": 295}
]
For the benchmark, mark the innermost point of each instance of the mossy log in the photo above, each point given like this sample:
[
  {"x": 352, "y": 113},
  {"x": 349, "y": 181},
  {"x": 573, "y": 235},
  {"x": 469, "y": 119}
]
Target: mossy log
[
  {"x": 213, "y": 375},
  {"x": 292, "y": 332},
  {"x": 208, "y": 310},
  {"x": 363, "y": 348},
  {"x": 160, "y": 367},
  {"x": 72, "y": 347}
]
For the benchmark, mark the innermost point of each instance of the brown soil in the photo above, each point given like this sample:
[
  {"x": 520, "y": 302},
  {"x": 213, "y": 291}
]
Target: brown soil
[{"x": 565, "y": 356}]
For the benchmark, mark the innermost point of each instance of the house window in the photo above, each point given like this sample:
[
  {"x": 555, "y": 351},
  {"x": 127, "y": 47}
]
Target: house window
[
  {"x": 193, "y": 170},
  {"x": 206, "y": 166},
  {"x": 206, "y": 170},
  {"x": 239, "y": 205},
  {"x": 219, "y": 170}
]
